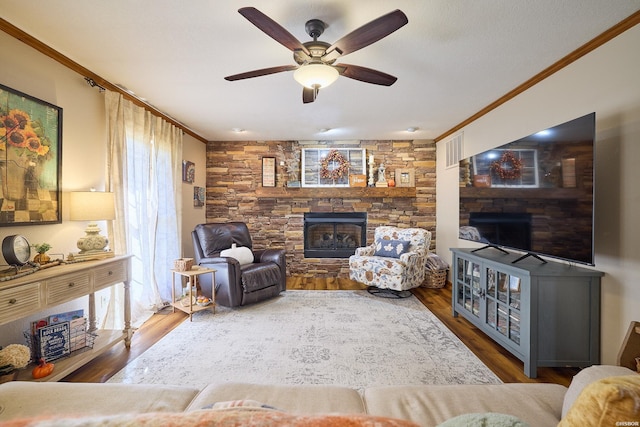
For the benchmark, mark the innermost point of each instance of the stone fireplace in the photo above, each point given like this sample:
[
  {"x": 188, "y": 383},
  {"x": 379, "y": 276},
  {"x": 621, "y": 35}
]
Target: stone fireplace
[
  {"x": 334, "y": 234},
  {"x": 275, "y": 215}
]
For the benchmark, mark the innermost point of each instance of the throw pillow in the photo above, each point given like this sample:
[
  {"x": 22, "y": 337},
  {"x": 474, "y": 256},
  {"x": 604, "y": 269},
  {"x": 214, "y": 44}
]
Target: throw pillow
[
  {"x": 609, "y": 400},
  {"x": 242, "y": 254},
  {"x": 246, "y": 417},
  {"x": 587, "y": 376},
  {"x": 492, "y": 419},
  {"x": 391, "y": 248}
]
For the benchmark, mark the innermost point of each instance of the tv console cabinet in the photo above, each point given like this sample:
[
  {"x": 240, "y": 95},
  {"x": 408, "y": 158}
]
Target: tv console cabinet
[
  {"x": 545, "y": 314},
  {"x": 50, "y": 287}
]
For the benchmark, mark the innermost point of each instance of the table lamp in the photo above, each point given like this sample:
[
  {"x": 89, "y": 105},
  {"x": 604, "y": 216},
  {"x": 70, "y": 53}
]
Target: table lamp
[{"x": 92, "y": 206}]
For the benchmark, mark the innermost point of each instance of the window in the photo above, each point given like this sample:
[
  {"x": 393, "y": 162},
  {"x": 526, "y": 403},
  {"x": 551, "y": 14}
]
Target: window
[{"x": 331, "y": 167}]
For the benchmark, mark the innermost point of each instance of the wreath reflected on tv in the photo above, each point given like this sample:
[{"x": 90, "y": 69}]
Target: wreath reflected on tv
[
  {"x": 335, "y": 166},
  {"x": 508, "y": 166}
]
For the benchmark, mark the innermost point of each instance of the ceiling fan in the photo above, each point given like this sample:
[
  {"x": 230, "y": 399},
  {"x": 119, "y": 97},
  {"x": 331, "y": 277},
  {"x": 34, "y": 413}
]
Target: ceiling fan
[{"x": 315, "y": 59}]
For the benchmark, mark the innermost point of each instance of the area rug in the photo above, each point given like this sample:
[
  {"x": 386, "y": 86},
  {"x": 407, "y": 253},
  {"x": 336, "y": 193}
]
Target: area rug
[{"x": 348, "y": 338}]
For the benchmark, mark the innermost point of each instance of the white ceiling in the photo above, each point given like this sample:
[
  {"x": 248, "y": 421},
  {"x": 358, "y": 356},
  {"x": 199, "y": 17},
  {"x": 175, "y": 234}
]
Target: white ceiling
[{"x": 453, "y": 58}]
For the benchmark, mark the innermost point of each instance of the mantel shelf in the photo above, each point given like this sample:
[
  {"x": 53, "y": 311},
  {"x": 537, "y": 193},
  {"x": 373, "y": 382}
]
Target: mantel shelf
[{"x": 334, "y": 192}]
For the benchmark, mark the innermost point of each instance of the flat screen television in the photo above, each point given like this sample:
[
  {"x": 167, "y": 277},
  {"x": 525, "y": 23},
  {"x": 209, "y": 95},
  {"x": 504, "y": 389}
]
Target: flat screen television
[{"x": 533, "y": 195}]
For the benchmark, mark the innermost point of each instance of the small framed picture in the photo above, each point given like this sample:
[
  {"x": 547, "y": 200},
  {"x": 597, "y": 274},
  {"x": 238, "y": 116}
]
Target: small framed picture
[
  {"x": 198, "y": 196},
  {"x": 405, "y": 178},
  {"x": 188, "y": 171},
  {"x": 268, "y": 171}
]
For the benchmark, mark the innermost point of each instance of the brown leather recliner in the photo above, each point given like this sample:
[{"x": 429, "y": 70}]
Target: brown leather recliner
[{"x": 238, "y": 284}]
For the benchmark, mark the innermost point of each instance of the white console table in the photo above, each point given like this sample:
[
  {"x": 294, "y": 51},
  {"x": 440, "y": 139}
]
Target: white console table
[{"x": 56, "y": 285}]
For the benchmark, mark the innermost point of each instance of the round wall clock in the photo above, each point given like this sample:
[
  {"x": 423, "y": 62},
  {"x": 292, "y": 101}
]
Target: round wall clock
[{"x": 16, "y": 249}]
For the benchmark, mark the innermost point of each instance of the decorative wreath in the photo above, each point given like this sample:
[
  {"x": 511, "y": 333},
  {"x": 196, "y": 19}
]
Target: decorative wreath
[
  {"x": 340, "y": 166},
  {"x": 508, "y": 167}
]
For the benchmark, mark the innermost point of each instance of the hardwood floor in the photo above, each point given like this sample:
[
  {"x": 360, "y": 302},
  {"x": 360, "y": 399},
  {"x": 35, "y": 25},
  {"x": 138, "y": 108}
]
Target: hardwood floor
[{"x": 506, "y": 367}]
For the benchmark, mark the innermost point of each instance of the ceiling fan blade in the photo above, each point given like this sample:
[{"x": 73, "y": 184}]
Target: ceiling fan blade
[
  {"x": 272, "y": 29},
  {"x": 309, "y": 95},
  {"x": 365, "y": 74},
  {"x": 369, "y": 33},
  {"x": 261, "y": 72}
]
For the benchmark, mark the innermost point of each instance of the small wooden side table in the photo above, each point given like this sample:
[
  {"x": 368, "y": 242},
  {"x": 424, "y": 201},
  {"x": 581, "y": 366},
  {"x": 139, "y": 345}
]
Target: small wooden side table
[{"x": 192, "y": 276}]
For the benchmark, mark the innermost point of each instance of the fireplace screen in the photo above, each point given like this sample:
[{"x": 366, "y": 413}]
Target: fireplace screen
[{"x": 334, "y": 235}]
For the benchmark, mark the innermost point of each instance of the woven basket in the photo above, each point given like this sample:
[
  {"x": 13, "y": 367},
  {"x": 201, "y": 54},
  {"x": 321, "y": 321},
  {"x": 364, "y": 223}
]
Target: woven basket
[
  {"x": 435, "y": 279},
  {"x": 183, "y": 264}
]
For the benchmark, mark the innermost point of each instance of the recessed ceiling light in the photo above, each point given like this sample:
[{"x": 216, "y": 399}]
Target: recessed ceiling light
[
  {"x": 237, "y": 130},
  {"x": 543, "y": 133},
  {"x": 323, "y": 130},
  {"x": 412, "y": 129}
]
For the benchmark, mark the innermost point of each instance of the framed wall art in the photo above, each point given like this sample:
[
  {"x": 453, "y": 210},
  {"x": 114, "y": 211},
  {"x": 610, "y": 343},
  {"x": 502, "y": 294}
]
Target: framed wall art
[
  {"x": 188, "y": 171},
  {"x": 199, "y": 195},
  {"x": 331, "y": 167},
  {"x": 268, "y": 171},
  {"x": 30, "y": 159},
  {"x": 405, "y": 178}
]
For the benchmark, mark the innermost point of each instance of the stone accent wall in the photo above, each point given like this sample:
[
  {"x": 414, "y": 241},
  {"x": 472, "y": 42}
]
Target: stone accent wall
[{"x": 234, "y": 181}]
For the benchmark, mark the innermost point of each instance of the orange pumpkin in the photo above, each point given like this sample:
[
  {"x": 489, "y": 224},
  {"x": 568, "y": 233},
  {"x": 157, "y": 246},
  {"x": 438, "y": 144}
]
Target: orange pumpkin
[
  {"x": 42, "y": 370},
  {"x": 392, "y": 183}
]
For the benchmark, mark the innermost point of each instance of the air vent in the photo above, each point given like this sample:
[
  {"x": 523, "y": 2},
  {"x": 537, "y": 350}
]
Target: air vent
[{"x": 454, "y": 150}]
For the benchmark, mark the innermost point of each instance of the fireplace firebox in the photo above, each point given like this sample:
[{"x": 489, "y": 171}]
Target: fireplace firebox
[{"x": 334, "y": 235}]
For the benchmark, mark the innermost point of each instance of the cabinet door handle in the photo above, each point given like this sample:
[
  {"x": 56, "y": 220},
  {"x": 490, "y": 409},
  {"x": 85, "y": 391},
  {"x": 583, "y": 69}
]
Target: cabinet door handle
[
  {"x": 110, "y": 273},
  {"x": 71, "y": 284},
  {"x": 13, "y": 301}
]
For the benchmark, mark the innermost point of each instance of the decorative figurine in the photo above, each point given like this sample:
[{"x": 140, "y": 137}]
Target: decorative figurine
[
  {"x": 382, "y": 180},
  {"x": 381, "y": 171}
]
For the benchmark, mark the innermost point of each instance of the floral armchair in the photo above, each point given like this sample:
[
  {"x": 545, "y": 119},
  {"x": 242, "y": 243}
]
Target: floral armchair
[{"x": 395, "y": 260}]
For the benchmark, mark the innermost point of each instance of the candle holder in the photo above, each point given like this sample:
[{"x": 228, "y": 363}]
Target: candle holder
[{"x": 371, "y": 168}]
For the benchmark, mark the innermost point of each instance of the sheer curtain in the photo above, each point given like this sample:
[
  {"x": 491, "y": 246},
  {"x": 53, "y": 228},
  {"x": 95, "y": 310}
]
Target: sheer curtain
[{"x": 144, "y": 172}]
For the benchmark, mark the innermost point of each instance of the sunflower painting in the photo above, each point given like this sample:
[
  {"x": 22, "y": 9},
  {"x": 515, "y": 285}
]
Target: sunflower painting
[{"x": 30, "y": 159}]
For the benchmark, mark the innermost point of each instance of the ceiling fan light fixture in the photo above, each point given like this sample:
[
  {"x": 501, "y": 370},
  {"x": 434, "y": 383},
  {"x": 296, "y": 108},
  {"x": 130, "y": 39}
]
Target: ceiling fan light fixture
[{"x": 316, "y": 76}]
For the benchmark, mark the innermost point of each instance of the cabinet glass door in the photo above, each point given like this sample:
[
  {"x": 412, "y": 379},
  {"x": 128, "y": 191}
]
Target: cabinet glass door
[
  {"x": 503, "y": 304},
  {"x": 468, "y": 286},
  {"x": 491, "y": 314},
  {"x": 514, "y": 309}
]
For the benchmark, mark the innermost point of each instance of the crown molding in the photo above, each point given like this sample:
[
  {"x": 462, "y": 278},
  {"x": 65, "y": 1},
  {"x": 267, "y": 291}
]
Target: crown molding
[
  {"x": 586, "y": 48},
  {"x": 46, "y": 50}
]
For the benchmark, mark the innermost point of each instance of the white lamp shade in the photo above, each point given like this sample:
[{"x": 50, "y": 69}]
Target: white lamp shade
[
  {"x": 316, "y": 75},
  {"x": 91, "y": 206}
]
